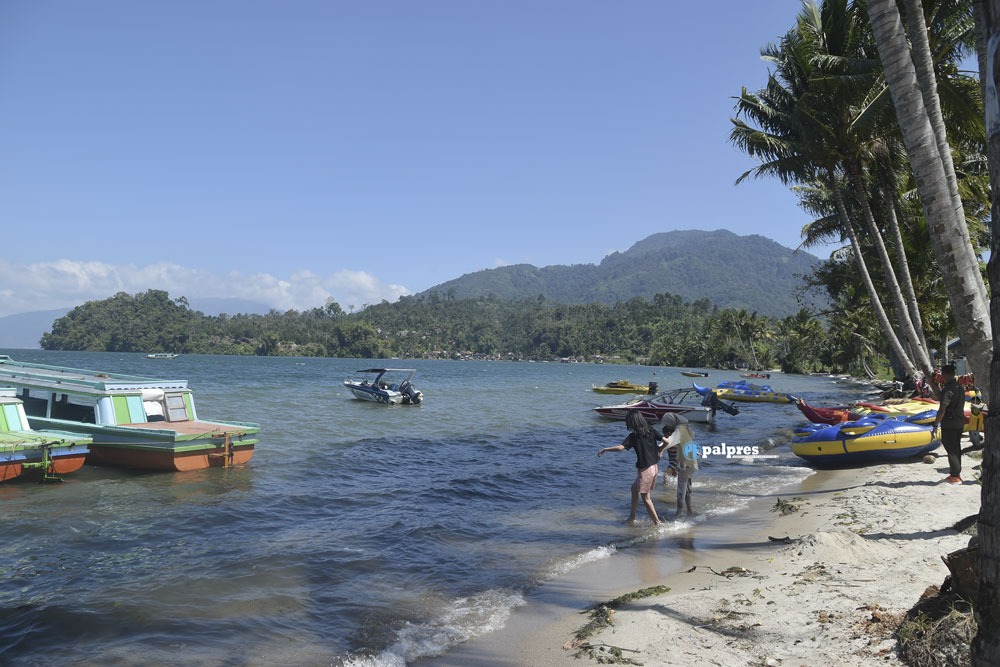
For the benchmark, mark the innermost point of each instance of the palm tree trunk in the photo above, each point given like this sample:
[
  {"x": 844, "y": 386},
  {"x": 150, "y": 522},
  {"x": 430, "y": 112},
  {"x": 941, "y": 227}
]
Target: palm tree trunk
[
  {"x": 880, "y": 315},
  {"x": 948, "y": 232},
  {"x": 904, "y": 270},
  {"x": 887, "y": 181},
  {"x": 986, "y": 645},
  {"x": 919, "y": 353},
  {"x": 924, "y": 66}
]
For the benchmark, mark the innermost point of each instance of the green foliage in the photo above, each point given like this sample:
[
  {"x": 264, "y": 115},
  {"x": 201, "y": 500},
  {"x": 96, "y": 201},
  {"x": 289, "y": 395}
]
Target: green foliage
[{"x": 663, "y": 331}]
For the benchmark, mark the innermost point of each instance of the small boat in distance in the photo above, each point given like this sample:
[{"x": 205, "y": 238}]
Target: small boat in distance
[
  {"x": 759, "y": 376},
  {"x": 625, "y": 387},
  {"x": 390, "y": 386},
  {"x": 162, "y": 355},
  {"x": 45, "y": 454},
  {"x": 694, "y": 374},
  {"x": 135, "y": 422}
]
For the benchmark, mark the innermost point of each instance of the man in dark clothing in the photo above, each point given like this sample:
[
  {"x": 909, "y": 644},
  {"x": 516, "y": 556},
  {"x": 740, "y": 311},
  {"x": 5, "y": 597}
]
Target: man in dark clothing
[{"x": 951, "y": 420}]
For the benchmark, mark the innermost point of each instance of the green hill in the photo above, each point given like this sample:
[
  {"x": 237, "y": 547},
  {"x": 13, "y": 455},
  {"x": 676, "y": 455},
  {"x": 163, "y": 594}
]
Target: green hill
[{"x": 731, "y": 271}]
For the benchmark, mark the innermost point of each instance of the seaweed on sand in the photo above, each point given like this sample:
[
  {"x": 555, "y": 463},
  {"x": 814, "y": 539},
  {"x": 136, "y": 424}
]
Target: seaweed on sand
[{"x": 601, "y": 617}]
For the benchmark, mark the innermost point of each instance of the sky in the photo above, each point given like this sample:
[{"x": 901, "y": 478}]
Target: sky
[{"x": 290, "y": 152}]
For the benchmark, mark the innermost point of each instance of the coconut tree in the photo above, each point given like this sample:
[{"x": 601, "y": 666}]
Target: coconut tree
[
  {"x": 946, "y": 221},
  {"x": 801, "y": 132},
  {"x": 986, "y": 645}
]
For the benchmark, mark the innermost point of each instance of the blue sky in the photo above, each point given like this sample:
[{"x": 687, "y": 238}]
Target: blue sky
[{"x": 290, "y": 152}]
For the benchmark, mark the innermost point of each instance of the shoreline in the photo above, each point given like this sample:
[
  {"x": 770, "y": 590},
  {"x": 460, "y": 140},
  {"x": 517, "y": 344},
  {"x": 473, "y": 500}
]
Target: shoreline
[{"x": 865, "y": 544}]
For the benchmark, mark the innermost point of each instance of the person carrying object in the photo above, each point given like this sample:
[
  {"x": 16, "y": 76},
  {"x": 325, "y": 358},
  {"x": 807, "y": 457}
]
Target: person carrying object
[{"x": 683, "y": 453}]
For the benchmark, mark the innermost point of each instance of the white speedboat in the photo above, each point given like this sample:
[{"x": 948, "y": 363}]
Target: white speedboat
[
  {"x": 684, "y": 402},
  {"x": 391, "y": 386}
]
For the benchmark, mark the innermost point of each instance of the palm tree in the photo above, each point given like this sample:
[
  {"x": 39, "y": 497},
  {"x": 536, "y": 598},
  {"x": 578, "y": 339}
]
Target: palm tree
[
  {"x": 802, "y": 132},
  {"x": 949, "y": 232}
]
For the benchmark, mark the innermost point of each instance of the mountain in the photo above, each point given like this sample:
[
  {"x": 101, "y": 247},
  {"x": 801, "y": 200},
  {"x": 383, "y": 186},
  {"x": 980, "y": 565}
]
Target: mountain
[
  {"x": 731, "y": 271},
  {"x": 24, "y": 330}
]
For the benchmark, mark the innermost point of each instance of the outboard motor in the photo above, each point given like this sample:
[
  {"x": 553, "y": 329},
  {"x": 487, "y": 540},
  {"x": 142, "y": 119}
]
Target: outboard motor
[
  {"x": 713, "y": 401},
  {"x": 652, "y": 388},
  {"x": 411, "y": 396}
]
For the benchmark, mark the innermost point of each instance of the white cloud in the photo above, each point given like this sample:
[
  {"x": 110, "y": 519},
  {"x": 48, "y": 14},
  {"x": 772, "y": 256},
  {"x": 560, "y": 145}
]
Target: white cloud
[
  {"x": 67, "y": 283},
  {"x": 500, "y": 262}
]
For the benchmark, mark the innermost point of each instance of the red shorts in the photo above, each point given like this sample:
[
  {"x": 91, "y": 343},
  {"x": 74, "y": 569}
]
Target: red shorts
[{"x": 645, "y": 479}]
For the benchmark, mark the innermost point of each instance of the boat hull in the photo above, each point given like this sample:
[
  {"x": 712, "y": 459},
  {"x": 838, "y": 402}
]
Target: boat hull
[
  {"x": 695, "y": 414},
  {"x": 621, "y": 389},
  {"x": 28, "y": 463},
  {"x": 165, "y": 446},
  {"x": 864, "y": 441},
  {"x": 167, "y": 459},
  {"x": 375, "y": 395}
]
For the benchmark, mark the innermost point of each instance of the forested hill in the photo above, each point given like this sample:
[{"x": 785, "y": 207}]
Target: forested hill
[{"x": 731, "y": 271}]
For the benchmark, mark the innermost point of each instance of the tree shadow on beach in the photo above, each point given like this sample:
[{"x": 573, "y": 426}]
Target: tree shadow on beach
[
  {"x": 739, "y": 631},
  {"x": 900, "y": 485}
]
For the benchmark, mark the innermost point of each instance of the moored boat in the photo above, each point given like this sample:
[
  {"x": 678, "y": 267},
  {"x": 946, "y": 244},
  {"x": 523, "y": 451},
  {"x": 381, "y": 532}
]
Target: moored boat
[
  {"x": 694, "y": 374},
  {"x": 922, "y": 411},
  {"x": 825, "y": 415},
  {"x": 741, "y": 390},
  {"x": 29, "y": 453},
  {"x": 390, "y": 386},
  {"x": 135, "y": 422},
  {"x": 868, "y": 439},
  {"x": 684, "y": 401},
  {"x": 625, "y": 387},
  {"x": 759, "y": 376}
]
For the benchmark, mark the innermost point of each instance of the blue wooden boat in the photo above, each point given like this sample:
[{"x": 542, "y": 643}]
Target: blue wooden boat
[
  {"x": 135, "y": 422},
  {"x": 30, "y": 453}
]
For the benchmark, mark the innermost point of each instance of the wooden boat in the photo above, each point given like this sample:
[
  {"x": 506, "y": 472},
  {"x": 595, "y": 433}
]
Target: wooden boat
[
  {"x": 390, "y": 386},
  {"x": 872, "y": 438},
  {"x": 625, "y": 387},
  {"x": 760, "y": 376},
  {"x": 694, "y": 374},
  {"x": 741, "y": 390},
  {"x": 135, "y": 422},
  {"x": 44, "y": 454},
  {"x": 684, "y": 401}
]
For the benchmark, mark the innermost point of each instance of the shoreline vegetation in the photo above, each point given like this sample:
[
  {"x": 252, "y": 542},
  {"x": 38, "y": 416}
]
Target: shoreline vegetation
[
  {"x": 663, "y": 331},
  {"x": 844, "y": 569}
]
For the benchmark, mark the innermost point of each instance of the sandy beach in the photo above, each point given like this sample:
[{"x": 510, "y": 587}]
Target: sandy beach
[{"x": 823, "y": 582}]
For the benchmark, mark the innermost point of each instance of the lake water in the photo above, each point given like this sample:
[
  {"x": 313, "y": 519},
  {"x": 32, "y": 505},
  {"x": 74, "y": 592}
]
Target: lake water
[{"x": 359, "y": 534}]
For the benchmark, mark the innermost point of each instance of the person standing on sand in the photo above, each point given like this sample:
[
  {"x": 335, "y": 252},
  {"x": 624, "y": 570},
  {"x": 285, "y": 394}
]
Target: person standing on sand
[
  {"x": 683, "y": 452},
  {"x": 951, "y": 420},
  {"x": 648, "y": 445}
]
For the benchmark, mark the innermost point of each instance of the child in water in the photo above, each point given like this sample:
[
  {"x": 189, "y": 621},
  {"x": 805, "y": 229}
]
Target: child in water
[{"x": 683, "y": 452}]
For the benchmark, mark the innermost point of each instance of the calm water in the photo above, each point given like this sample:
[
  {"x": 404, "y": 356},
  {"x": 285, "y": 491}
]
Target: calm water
[{"x": 359, "y": 534}]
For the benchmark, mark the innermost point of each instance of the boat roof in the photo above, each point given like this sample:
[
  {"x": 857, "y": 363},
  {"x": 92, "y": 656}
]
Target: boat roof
[
  {"x": 21, "y": 374},
  {"x": 387, "y": 370}
]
